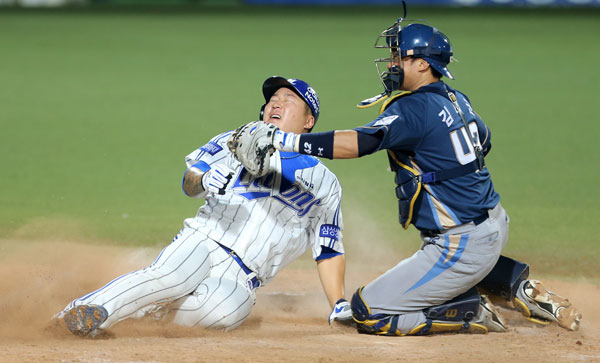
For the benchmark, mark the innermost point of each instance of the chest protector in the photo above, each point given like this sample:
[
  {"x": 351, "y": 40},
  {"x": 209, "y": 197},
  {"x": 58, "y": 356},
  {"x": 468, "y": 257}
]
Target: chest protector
[
  {"x": 408, "y": 180},
  {"x": 408, "y": 185}
]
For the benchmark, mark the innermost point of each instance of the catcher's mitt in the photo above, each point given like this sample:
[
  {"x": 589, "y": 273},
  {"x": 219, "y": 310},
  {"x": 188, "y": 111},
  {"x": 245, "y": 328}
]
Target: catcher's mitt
[{"x": 252, "y": 145}]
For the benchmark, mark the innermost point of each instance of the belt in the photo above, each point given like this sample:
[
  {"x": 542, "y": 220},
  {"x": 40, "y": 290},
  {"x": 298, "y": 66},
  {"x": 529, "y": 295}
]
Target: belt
[
  {"x": 476, "y": 221},
  {"x": 254, "y": 282},
  {"x": 481, "y": 218}
]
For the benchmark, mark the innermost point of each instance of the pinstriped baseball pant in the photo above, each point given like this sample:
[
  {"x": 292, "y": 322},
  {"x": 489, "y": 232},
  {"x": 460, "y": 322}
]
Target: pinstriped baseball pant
[
  {"x": 193, "y": 278},
  {"x": 447, "y": 265}
]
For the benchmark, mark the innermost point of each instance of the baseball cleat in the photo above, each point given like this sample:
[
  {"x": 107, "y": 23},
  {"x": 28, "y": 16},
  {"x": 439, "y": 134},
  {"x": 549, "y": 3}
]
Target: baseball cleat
[
  {"x": 85, "y": 320},
  {"x": 489, "y": 317},
  {"x": 542, "y": 306}
]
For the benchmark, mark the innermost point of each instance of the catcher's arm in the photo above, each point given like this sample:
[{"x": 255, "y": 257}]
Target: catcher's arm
[{"x": 335, "y": 144}]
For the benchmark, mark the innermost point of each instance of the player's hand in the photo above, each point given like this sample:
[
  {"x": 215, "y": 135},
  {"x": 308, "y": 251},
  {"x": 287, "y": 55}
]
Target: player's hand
[
  {"x": 215, "y": 180},
  {"x": 341, "y": 313},
  {"x": 285, "y": 141}
]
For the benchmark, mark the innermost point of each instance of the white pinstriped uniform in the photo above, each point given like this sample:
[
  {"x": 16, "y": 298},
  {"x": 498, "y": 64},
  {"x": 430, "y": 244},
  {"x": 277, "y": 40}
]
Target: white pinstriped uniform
[{"x": 268, "y": 222}]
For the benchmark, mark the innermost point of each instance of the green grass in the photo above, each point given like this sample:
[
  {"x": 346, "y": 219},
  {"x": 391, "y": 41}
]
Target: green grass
[{"x": 99, "y": 107}]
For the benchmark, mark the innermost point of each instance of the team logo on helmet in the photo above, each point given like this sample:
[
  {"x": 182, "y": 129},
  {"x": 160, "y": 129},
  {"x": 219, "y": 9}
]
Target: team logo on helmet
[{"x": 312, "y": 97}]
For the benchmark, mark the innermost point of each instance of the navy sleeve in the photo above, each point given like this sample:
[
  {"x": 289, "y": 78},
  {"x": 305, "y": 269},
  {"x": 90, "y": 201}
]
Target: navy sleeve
[
  {"x": 485, "y": 137},
  {"x": 399, "y": 126}
]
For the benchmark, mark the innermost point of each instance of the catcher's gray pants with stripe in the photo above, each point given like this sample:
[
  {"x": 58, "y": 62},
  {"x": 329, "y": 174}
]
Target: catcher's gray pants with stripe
[
  {"x": 447, "y": 265},
  {"x": 193, "y": 277}
]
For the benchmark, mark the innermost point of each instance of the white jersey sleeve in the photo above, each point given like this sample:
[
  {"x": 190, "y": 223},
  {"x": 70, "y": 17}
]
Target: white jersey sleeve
[
  {"x": 272, "y": 220},
  {"x": 326, "y": 229},
  {"x": 214, "y": 151}
]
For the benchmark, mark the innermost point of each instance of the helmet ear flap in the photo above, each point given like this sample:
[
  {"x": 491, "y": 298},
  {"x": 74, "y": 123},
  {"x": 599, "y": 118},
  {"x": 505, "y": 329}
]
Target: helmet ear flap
[{"x": 262, "y": 112}]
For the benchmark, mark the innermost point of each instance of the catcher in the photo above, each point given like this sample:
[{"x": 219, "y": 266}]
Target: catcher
[
  {"x": 255, "y": 222},
  {"x": 436, "y": 144}
]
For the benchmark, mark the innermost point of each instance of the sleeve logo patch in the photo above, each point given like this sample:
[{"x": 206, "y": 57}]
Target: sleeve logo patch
[
  {"x": 212, "y": 148},
  {"x": 329, "y": 231},
  {"x": 385, "y": 121}
]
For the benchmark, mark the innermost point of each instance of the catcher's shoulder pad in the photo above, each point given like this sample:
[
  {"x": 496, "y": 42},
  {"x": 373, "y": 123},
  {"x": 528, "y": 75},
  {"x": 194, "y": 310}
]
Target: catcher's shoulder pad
[{"x": 393, "y": 99}]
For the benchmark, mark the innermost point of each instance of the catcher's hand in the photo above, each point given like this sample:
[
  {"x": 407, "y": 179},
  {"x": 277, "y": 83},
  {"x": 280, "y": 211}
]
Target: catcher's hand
[
  {"x": 342, "y": 313},
  {"x": 252, "y": 145}
]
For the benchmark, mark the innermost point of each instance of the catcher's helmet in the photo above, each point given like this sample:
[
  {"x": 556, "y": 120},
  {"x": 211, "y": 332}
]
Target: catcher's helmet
[
  {"x": 423, "y": 41},
  {"x": 415, "y": 40},
  {"x": 301, "y": 88}
]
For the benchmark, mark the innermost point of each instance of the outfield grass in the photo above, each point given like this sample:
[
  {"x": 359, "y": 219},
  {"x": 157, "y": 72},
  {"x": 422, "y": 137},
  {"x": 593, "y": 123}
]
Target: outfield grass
[{"x": 99, "y": 107}]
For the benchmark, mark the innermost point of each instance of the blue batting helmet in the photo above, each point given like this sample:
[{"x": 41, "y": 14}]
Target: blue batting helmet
[{"x": 301, "y": 88}]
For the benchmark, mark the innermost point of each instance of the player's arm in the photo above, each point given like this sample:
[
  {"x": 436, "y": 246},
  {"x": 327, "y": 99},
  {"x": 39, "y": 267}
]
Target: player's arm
[
  {"x": 485, "y": 138},
  {"x": 331, "y": 273},
  {"x": 201, "y": 178},
  {"x": 208, "y": 171},
  {"x": 337, "y": 144},
  {"x": 192, "y": 181},
  {"x": 328, "y": 251}
]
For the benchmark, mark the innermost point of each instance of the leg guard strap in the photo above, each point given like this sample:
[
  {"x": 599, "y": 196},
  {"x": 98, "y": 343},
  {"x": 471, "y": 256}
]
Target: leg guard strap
[{"x": 453, "y": 316}]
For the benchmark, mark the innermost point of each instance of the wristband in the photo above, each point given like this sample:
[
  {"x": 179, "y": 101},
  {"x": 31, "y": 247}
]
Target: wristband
[{"x": 319, "y": 144}]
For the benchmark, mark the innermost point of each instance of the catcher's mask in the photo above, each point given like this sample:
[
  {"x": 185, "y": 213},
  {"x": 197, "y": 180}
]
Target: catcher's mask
[
  {"x": 301, "y": 88},
  {"x": 413, "y": 40}
]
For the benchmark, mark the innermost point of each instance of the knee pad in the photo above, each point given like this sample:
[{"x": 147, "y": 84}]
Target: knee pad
[
  {"x": 505, "y": 278},
  {"x": 366, "y": 323}
]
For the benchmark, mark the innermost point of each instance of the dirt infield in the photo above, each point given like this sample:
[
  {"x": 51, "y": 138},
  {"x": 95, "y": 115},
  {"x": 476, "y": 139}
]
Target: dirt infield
[{"x": 288, "y": 323}]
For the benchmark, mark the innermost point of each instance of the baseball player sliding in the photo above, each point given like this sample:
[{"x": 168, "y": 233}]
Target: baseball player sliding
[
  {"x": 248, "y": 230},
  {"x": 435, "y": 143}
]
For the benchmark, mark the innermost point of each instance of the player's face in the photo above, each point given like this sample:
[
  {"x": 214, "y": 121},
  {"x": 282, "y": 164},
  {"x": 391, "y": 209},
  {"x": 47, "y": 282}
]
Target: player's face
[
  {"x": 412, "y": 68},
  {"x": 288, "y": 111}
]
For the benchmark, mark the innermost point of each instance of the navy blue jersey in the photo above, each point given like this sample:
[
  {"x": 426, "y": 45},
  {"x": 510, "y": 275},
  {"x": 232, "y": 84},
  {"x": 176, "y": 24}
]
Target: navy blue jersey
[{"x": 423, "y": 129}]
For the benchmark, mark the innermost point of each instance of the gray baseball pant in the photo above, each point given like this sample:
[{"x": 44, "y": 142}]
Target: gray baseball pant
[{"x": 447, "y": 265}]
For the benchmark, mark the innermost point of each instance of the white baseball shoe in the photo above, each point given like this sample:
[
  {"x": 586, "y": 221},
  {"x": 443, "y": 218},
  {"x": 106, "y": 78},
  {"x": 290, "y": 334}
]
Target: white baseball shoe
[
  {"x": 85, "y": 320},
  {"x": 543, "y": 306}
]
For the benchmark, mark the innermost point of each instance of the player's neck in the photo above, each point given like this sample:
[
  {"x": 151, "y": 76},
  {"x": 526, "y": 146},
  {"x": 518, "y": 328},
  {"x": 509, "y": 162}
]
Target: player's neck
[{"x": 424, "y": 81}]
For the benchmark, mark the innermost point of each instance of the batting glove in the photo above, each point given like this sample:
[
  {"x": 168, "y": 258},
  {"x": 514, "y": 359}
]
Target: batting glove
[
  {"x": 286, "y": 141},
  {"x": 341, "y": 313},
  {"x": 215, "y": 180}
]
